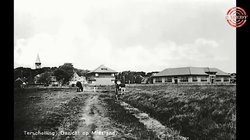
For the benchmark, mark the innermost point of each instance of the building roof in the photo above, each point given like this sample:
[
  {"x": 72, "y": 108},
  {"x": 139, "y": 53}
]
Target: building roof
[
  {"x": 75, "y": 76},
  {"x": 103, "y": 69},
  {"x": 19, "y": 79},
  {"x": 190, "y": 71},
  {"x": 38, "y": 59}
]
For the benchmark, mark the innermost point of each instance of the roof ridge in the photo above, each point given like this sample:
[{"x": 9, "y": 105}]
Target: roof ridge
[{"x": 100, "y": 68}]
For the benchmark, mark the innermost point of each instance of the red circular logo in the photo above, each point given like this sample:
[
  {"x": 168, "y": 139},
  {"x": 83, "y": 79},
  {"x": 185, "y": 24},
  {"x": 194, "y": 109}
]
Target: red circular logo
[{"x": 236, "y": 17}]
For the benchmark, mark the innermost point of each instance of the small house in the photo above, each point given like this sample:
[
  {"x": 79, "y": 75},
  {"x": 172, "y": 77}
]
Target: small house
[
  {"x": 101, "y": 76},
  {"x": 19, "y": 83},
  {"x": 75, "y": 78}
]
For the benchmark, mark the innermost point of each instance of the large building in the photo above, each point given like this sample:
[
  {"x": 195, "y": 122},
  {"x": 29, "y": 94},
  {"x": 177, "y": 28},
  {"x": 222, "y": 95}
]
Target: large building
[
  {"x": 192, "y": 75},
  {"x": 101, "y": 76}
]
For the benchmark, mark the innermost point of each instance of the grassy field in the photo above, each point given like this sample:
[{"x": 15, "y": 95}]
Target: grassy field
[
  {"x": 42, "y": 114},
  {"x": 198, "y": 112},
  {"x": 45, "y": 110}
]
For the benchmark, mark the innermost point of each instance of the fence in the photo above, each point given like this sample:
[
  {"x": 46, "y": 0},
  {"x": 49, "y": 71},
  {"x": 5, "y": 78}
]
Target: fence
[
  {"x": 205, "y": 84},
  {"x": 99, "y": 88}
]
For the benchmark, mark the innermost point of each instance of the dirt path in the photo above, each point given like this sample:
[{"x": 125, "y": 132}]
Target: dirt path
[
  {"x": 152, "y": 124},
  {"x": 103, "y": 117},
  {"x": 93, "y": 122}
]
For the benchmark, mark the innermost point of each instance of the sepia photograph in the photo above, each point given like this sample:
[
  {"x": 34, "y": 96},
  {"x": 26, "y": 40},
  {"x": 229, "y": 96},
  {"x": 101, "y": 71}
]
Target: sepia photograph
[{"x": 125, "y": 69}]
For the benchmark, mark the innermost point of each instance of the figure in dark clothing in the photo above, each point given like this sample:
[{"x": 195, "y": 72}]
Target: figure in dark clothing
[
  {"x": 117, "y": 85},
  {"x": 119, "y": 88},
  {"x": 122, "y": 88},
  {"x": 79, "y": 86}
]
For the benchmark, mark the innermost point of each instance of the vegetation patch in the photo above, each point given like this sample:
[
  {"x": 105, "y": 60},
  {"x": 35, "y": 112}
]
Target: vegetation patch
[
  {"x": 39, "y": 114},
  {"x": 198, "y": 112}
]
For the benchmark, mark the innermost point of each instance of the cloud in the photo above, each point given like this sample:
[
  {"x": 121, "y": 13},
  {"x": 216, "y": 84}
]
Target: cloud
[
  {"x": 202, "y": 52},
  {"x": 125, "y": 34}
]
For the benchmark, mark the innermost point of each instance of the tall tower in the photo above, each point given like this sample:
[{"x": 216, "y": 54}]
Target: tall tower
[{"x": 38, "y": 62}]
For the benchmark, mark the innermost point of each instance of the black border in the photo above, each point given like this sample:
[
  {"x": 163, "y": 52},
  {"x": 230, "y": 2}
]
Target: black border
[
  {"x": 242, "y": 62},
  {"x": 7, "y": 69}
]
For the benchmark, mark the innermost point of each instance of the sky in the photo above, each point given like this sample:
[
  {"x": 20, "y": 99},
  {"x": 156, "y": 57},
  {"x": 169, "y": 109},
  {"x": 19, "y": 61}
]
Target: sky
[{"x": 136, "y": 35}]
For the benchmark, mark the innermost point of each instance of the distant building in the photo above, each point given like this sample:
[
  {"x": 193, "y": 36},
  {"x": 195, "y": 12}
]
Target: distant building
[
  {"x": 75, "y": 78},
  {"x": 36, "y": 78},
  {"x": 38, "y": 62},
  {"x": 19, "y": 83},
  {"x": 53, "y": 81},
  {"x": 191, "y": 75},
  {"x": 148, "y": 79},
  {"x": 101, "y": 76},
  {"x": 145, "y": 80}
]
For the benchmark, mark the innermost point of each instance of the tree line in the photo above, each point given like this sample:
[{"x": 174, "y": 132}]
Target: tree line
[{"x": 64, "y": 72}]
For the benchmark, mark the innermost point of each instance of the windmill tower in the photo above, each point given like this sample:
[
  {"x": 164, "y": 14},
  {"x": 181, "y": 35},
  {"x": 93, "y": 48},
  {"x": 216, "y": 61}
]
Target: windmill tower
[{"x": 38, "y": 62}]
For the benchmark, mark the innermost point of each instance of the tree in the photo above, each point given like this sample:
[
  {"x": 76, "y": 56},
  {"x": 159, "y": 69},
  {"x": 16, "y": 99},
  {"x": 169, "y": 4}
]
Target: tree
[
  {"x": 131, "y": 77},
  {"x": 67, "y": 67},
  {"x": 81, "y": 72},
  {"x": 64, "y": 72},
  {"x": 22, "y": 72},
  {"x": 45, "y": 78},
  {"x": 138, "y": 79},
  {"x": 60, "y": 75}
]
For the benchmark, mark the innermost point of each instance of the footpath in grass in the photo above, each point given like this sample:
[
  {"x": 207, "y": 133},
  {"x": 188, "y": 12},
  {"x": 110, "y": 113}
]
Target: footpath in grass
[
  {"x": 197, "y": 112},
  {"x": 47, "y": 113}
]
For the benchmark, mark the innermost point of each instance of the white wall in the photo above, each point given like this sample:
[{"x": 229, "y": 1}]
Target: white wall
[{"x": 104, "y": 81}]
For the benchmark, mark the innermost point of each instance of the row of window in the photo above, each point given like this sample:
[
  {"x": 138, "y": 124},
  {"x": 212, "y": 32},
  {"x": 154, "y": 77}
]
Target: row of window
[
  {"x": 104, "y": 75},
  {"x": 185, "y": 79}
]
